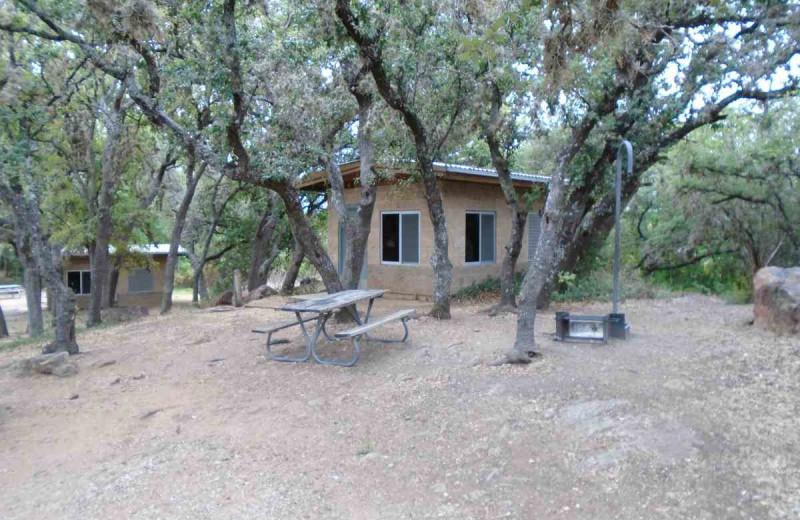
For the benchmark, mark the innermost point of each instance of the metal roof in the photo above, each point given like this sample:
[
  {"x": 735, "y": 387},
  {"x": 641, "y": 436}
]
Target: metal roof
[
  {"x": 488, "y": 172},
  {"x": 147, "y": 249}
]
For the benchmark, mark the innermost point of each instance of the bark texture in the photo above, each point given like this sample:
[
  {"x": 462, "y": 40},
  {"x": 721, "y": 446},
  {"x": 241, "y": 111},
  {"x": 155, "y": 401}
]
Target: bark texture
[{"x": 293, "y": 270}]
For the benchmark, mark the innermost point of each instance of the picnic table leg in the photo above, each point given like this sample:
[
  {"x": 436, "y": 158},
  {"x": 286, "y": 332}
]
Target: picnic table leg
[
  {"x": 289, "y": 359},
  {"x": 379, "y": 340},
  {"x": 324, "y": 361},
  {"x": 354, "y": 314}
]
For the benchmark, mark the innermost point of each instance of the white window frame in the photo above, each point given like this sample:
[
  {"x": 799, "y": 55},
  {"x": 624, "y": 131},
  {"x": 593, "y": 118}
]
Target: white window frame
[
  {"x": 480, "y": 236},
  {"x": 400, "y": 237},
  {"x": 81, "y": 271}
]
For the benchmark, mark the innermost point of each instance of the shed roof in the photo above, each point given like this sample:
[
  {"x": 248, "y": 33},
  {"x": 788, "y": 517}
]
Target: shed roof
[
  {"x": 318, "y": 180},
  {"x": 146, "y": 249}
]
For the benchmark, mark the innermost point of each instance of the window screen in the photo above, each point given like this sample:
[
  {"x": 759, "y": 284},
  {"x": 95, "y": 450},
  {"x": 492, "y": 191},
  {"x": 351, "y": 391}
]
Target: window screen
[
  {"x": 409, "y": 244},
  {"x": 86, "y": 282},
  {"x": 479, "y": 240},
  {"x": 534, "y": 228},
  {"x": 140, "y": 280},
  {"x": 487, "y": 237},
  {"x": 390, "y": 239}
]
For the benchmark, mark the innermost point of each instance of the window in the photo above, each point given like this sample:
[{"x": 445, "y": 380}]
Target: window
[
  {"x": 534, "y": 228},
  {"x": 479, "y": 239},
  {"x": 400, "y": 237},
  {"x": 140, "y": 280},
  {"x": 80, "y": 281}
]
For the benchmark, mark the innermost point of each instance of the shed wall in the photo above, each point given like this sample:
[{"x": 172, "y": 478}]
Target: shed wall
[{"x": 416, "y": 281}]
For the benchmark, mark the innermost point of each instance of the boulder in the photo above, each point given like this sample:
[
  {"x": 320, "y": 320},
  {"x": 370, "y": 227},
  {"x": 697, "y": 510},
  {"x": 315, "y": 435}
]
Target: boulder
[
  {"x": 777, "y": 299},
  {"x": 225, "y": 298},
  {"x": 57, "y": 364},
  {"x": 259, "y": 293}
]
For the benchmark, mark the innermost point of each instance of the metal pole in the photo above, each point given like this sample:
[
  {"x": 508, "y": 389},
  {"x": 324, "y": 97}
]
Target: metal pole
[{"x": 627, "y": 145}]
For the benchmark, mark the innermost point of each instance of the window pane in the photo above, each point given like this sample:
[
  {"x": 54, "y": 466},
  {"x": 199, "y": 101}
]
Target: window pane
[
  {"x": 534, "y": 228},
  {"x": 471, "y": 239},
  {"x": 86, "y": 278},
  {"x": 140, "y": 280},
  {"x": 487, "y": 238},
  {"x": 410, "y": 239},
  {"x": 74, "y": 281},
  {"x": 390, "y": 239}
]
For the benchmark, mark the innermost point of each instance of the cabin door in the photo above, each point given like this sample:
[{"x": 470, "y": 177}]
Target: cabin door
[{"x": 362, "y": 282}]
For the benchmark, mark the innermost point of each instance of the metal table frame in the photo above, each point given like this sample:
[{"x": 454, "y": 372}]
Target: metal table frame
[{"x": 324, "y": 308}]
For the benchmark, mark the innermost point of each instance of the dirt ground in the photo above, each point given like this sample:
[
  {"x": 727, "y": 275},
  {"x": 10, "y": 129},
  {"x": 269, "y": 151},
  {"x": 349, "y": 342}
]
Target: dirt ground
[{"x": 183, "y": 417}]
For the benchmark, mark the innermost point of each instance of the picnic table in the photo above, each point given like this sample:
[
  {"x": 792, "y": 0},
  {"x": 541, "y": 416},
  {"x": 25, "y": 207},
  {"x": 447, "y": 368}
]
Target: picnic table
[{"x": 319, "y": 308}]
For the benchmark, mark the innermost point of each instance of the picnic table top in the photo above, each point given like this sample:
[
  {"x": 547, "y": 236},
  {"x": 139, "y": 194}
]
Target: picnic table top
[{"x": 331, "y": 302}]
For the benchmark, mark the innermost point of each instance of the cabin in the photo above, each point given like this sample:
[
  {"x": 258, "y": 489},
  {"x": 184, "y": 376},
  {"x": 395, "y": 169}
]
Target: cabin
[
  {"x": 141, "y": 277},
  {"x": 401, "y": 237}
]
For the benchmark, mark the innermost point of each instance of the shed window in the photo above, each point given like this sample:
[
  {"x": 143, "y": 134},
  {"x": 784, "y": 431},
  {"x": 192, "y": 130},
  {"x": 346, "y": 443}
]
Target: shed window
[
  {"x": 80, "y": 281},
  {"x": 400, "y": 237},
  {"x": 479, "y": 240},
  {"x": 140, "y": 280}
]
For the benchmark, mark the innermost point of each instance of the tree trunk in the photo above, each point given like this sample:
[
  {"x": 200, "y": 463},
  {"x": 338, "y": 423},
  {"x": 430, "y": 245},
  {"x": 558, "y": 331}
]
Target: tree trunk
[
  {"x": 113, "y": 281},
  {"x": 192, "y": 181},
  {"x": 293, "y": 270},
  {"x": 33, "y": 298},
  {"x": 266, "y": 245},
  {"x": 513, "y": 249},
  {"x": 369, "y": 48},
  {"x": 519, "y": 215},
  {"x": 549, "y": 252},
  {"x": 304, "y": 233},
  {"x": 357, "y": 227},
  {"x": 109, "y": 174},
  {"x": 3, "y": 326},
  {"x": 237, "y": 288}
]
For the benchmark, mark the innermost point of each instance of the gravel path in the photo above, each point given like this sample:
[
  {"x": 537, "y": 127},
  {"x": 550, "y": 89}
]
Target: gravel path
[{"x": 698, "y": 416}]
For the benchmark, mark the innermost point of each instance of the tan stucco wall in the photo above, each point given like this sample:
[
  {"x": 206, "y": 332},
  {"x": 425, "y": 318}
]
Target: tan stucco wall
[
  {"x": 124, "y": 298},
  {"x": 417, "y": 280}
]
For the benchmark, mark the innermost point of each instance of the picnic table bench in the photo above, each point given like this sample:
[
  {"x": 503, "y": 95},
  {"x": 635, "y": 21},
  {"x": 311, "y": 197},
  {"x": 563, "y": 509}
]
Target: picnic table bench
[
  {"x": 319, "y": 308},
  {"x": 12, "y": 289}
]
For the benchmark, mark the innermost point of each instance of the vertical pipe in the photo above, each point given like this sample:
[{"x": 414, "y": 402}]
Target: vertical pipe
[{"x": 618, "y": 202}]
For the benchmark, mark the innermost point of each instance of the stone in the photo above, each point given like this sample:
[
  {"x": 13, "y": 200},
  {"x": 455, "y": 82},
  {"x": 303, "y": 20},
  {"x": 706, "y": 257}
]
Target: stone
[
  {"x": 225, "y": 298},
  {"x": 57, "y": 364},
  {"x": 776, "y": 299},
  {"x": 259, "y": 293}
]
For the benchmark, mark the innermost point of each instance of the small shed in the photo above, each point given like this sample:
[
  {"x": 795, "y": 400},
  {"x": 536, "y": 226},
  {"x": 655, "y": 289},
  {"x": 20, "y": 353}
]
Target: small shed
[
  {"x": 141, "y": 277},
  {"x": 401, "y": 237}
]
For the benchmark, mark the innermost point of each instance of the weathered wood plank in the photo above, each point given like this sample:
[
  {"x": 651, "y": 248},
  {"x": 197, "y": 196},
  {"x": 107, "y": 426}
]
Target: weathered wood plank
[
  {"x": 334, "y": 301},
  {"x": 274, "y": 327},
  {"x": 377, "y": 322},
  {"x": 295, "y": 298}
]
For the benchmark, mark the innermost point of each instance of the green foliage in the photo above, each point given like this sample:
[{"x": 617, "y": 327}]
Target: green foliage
[{"x": 723, "y": 205}]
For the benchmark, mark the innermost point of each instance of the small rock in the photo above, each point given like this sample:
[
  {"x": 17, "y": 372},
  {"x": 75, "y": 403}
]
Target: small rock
[
  {"x": 45, "y": 364},
  {"x": 115, "y": 381},
  {"x": 107, "y": 363},
  {"x": 65, "y": 370},
  {"x": 140, "y": 376},
  {"x": 73, "y": 397}
]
